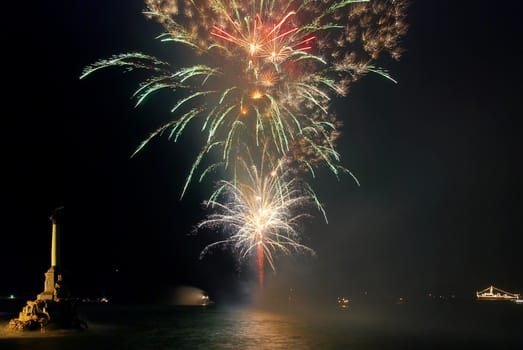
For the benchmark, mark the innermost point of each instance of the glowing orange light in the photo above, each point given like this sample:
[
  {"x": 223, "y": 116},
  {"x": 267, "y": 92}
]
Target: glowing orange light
[
  {"x": 273, "y": 173},
  {"x": 256, "y": 95},
  {"x": 244, "y": 111}
]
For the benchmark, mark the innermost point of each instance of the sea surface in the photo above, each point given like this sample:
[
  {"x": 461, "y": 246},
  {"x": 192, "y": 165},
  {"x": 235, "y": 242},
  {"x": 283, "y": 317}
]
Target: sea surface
[{"x": 366, "y": 326}]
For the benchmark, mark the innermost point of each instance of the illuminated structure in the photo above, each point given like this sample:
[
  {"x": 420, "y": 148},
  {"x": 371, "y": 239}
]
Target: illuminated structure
[
  {"x": 53, "y": 306},
  {"x": 53, "y": 276},
  {"x": 493, "y": 293}
]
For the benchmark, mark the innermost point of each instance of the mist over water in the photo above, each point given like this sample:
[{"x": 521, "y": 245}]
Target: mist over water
[{"x": 298, "y": 326}]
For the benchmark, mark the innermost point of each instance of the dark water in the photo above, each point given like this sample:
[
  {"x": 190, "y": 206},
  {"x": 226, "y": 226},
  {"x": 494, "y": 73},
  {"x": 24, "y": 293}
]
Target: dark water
[{"x": 421, "y": 326}]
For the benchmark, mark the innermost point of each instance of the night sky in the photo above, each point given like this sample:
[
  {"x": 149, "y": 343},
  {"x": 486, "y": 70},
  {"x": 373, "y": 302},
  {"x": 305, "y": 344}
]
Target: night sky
[{"x": 438, "y": 157}]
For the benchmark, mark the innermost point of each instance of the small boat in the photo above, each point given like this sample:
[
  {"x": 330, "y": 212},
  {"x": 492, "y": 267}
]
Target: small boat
[{"x": 343, "y": 303}]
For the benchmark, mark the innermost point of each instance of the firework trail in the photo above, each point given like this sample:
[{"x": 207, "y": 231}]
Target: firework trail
[
  {"x": 259, "y": 213},
  {"x": 265, "y": 69}
]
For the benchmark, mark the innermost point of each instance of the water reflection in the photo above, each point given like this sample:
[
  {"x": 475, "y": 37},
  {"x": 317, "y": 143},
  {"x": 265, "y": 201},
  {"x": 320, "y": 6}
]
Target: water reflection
[{"x": 256, "y": 329}]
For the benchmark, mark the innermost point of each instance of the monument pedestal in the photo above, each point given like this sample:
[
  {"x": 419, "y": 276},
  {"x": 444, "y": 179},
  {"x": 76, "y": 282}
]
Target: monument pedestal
[{"x": 51, "y": 277}]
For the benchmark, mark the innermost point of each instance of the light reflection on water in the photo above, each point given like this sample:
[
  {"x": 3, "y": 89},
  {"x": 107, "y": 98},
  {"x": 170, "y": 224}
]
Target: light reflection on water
[
  {"x": 256, "y": 329},
  {"x": 168, "y": 327}
]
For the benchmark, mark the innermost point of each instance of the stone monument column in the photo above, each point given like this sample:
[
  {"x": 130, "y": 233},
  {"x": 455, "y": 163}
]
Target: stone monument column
[
  {"x": 55, "y": 242},
  {"x": 53, "y": 274}
]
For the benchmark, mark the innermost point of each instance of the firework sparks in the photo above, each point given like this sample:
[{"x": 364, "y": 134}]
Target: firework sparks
[
  {"x": 263, "y": 77},
  {"x": 266, "y": 70},
  {"x": 260, "y": 214}
]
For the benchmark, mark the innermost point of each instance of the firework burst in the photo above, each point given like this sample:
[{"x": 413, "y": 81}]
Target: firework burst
[
  {"x": 262, "y": 78},
  {"x": 265, "y": 70},
  {"x": 259, "y": 213}
]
